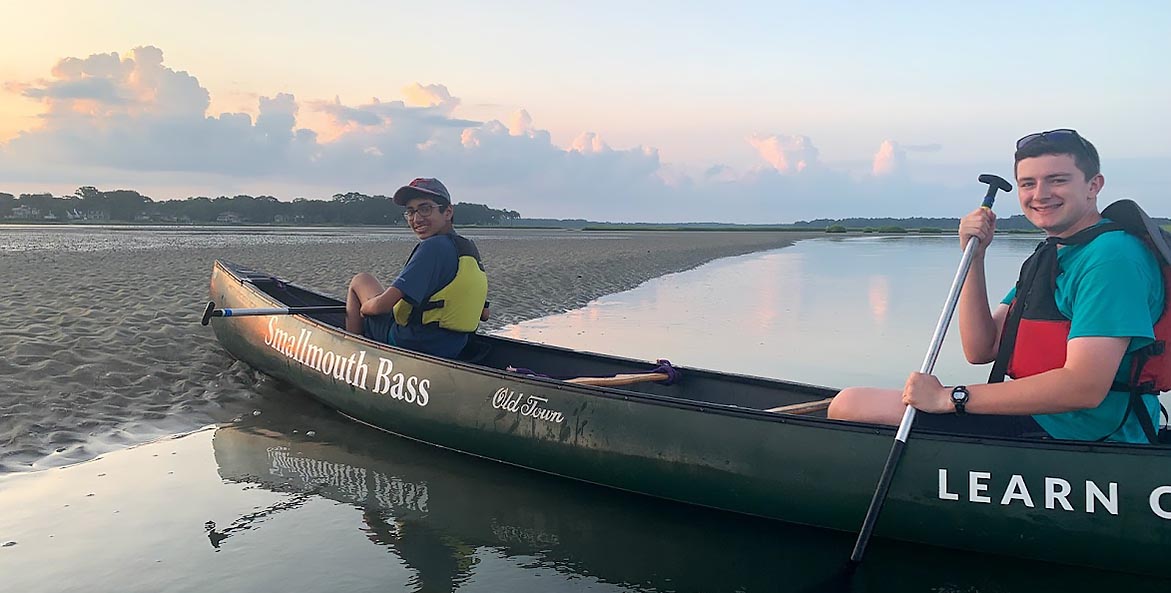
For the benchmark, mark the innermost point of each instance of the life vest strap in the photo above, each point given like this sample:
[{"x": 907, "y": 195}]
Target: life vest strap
[{"x": 417, "y": 312}]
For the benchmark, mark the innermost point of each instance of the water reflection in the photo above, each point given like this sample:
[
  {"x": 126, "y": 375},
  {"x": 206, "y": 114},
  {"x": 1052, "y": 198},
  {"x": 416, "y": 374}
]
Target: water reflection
[
  {"x": 858, "y": 311},
  {"x": 879, "y": 296},
  {"x": 458, "y": 522}
]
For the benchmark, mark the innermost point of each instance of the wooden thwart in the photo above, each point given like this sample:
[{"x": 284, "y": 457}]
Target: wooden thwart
[
  {"x": 619, "y": 379},
  {"x": 803, "y": 407}
]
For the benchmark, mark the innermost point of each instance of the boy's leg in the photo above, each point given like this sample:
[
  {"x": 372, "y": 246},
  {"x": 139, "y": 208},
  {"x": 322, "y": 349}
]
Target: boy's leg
[
  {"x": 363, "y": 287},
  {"x": 868, "y": 404}
]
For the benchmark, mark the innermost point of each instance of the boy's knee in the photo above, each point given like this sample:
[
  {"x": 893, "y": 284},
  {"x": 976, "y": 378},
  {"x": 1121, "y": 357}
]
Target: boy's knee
[
  {"x": 360, "y": 279},
  {"x": 843, "y": 405}
]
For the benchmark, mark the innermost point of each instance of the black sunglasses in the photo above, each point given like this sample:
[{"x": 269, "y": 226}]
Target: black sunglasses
[{"x": 1058, "y": 135}]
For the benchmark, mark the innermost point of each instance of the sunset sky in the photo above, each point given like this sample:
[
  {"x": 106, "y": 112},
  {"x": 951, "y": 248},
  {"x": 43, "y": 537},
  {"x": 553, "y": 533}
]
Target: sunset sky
[{"x": 627, "y": 111}]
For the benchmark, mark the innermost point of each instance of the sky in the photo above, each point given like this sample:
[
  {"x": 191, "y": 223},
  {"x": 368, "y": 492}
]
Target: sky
[{"x": 748, "y": 112}]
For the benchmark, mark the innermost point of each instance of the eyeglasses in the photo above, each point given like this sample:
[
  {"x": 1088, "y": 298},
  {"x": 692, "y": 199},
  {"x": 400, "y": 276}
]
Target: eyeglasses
[
  {"x": 1058, "y": 135},
  {"x": 423, "y": 210}
]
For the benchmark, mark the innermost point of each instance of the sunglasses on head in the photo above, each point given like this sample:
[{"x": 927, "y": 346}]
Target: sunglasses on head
[{"x": 1056, "y": 135}]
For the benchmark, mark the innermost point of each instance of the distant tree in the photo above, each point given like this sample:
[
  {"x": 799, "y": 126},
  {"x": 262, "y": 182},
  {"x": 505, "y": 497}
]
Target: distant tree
[
  {"x": 835, "y": 228},
  {"x": 126, "y": 204},
  {"x": 350, "y": 208},
  {"x": 42, "y": 202},
  {"x": 88, "y": 192}
]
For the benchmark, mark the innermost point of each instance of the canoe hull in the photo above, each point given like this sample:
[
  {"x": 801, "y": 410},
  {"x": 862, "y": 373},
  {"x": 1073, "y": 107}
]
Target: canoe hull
[{"x": 1087, "y": 504}]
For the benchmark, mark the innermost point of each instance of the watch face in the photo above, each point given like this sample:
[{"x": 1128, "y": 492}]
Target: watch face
[{"x": 959, "y": 395}]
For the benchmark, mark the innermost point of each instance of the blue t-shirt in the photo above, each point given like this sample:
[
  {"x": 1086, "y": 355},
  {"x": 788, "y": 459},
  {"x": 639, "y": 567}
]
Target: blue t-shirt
[
  {"x": 432, "y": 266},
  {"x": 1109, "y": 287}
]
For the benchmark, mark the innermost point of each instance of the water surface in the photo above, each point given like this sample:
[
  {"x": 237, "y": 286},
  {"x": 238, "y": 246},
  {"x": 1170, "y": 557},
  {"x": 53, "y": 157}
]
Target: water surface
[{"x": 834, "y": 312}]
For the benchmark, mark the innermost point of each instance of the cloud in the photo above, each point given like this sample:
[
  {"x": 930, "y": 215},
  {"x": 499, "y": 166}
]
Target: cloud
[
  {"x": 891, "y": 159},
  {"x": 589, "y": 142},
  {"x": 521, "y": 124},
  {"x": 100, "y": 90},
  {"x": 787, "y": 154},
  {"x": 385, "y": 115},
  {"x": 133, "y": 117},
  {"x": 344, "y": 115}
]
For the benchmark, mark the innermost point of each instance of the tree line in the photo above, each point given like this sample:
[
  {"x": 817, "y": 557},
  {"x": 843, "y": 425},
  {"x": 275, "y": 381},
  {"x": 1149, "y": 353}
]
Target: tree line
[{"x": 123, "y": 205}]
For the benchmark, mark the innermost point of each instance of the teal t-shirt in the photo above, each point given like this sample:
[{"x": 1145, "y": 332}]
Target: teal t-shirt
[{"x": 1109, "y": 287}]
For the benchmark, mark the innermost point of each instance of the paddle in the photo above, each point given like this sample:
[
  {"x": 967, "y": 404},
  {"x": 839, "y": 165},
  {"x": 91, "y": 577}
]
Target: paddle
[
  {"x": 211, "y": 311},
  {"x": 896, "y": 451}
]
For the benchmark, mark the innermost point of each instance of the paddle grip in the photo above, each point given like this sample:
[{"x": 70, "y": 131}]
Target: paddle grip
[
  {"x": 995, "y": 182},
  {"x": 208, "y": 313}
]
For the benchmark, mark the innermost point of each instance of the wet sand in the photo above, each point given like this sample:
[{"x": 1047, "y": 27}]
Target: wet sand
[{"x": 103, "y": 349}]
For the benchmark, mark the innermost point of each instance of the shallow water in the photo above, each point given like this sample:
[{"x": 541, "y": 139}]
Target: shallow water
[{"x": 834, "y": 312}]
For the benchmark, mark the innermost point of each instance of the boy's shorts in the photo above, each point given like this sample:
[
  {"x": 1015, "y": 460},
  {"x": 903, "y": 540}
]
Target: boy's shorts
[{"x": 378, "y": 327}]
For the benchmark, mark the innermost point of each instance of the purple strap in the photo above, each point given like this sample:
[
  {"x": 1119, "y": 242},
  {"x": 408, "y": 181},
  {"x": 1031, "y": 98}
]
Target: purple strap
[{"x": 666, "y": 368}]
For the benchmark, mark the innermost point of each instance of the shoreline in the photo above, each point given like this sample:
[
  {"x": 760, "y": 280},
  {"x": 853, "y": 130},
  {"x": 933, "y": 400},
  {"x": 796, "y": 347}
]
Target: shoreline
[{"x": 103, "y": 349}]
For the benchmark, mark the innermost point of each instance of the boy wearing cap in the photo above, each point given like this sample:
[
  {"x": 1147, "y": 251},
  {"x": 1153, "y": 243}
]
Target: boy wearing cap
[
  {"x": 1088, "y": 302},
  {"x": 439, "y": 298}
]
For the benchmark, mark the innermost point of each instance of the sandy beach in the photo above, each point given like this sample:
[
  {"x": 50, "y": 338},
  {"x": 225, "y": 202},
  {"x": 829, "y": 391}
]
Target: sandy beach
[{"x": 102, "y": 348}]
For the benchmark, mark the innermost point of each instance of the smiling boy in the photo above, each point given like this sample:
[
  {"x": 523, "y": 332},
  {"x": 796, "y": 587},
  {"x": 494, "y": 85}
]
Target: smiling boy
[
  {"x": 1089, "y": 300},
  {"x": 439, "y": 297}
]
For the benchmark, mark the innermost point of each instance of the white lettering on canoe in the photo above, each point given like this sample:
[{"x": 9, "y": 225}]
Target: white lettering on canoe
[
  {"x": 1157, "y": 503},
  {"x": 943, "y": 493},
  {"x": 1057, "y": 492},
  {"x": 386, "y": 383},
  {"x": 382, "y": 375},
  {"x": 352, "y": 370},
  {"x": 1017, "y": 491},
  {"x": 1094, "y": 493},
  {"x": 976, "y": 487},
  {"x": 525, "y": 405}
]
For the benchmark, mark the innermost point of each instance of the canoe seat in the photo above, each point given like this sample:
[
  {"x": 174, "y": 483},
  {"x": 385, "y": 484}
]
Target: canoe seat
[
  {"x": 803, "y": 407},
  {"x": 665, "y": 374},
  {"x": 627, "y": 379}
]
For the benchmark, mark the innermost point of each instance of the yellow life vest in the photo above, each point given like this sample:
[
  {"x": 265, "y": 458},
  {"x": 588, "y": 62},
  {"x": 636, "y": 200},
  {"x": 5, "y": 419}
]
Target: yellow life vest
[{"x": 456, "y": 306}]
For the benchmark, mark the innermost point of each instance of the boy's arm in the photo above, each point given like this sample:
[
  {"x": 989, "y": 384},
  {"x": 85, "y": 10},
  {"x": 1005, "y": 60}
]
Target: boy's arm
[
  {"x": 1081, "y": 384},
  {"x": 383, "y": 303}
]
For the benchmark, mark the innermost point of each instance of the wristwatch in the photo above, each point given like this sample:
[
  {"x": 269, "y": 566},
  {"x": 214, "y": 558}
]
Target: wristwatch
[{"x": 959, "y": 397}]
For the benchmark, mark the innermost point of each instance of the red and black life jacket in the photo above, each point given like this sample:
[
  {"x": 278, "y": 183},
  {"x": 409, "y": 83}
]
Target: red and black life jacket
[{"x": 1035, "y": 333}]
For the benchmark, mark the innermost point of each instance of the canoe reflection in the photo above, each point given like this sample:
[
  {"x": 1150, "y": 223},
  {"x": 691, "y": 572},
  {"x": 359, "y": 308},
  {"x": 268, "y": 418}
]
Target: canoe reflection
[{"x": 441, "y": 512}]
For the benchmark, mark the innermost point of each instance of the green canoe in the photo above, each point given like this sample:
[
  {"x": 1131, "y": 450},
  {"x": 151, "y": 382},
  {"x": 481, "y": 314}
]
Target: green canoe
[{"x": 732, "y": 442}]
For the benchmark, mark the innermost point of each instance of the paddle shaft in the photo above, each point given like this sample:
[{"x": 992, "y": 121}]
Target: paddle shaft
[
  {"x": 896, "y": 451},
  {"x": 211, "y": 311}
]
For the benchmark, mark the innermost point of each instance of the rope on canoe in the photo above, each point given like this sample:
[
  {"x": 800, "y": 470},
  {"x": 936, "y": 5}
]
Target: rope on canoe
[{"x": 663, "y": 374}]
